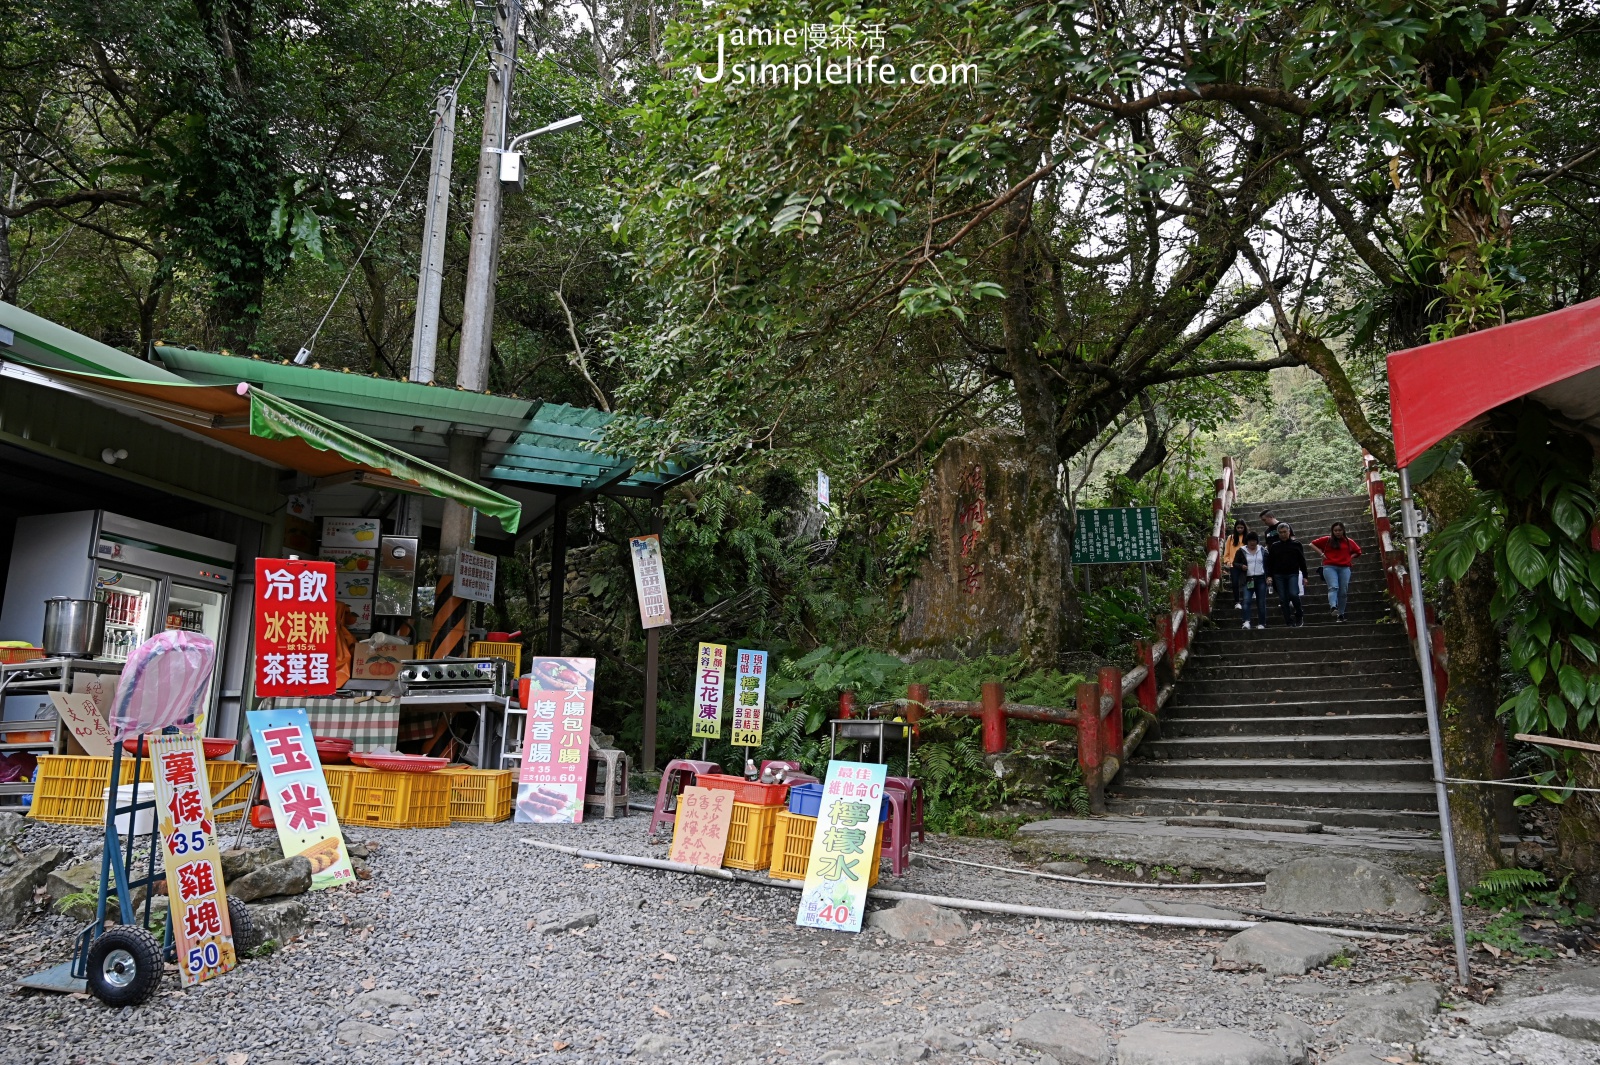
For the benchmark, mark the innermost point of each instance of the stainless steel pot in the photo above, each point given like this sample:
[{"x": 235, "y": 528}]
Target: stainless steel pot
[{"x": 73, "y": 628}]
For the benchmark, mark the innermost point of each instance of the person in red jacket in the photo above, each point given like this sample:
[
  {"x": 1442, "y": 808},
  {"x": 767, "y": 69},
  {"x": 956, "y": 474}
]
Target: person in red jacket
[{"x": 1338, "y": 552}]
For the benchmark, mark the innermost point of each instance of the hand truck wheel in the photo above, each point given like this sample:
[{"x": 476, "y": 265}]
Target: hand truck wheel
[
  {"x": 125, "y": 966},
  {"x": 246, "y": 936}
]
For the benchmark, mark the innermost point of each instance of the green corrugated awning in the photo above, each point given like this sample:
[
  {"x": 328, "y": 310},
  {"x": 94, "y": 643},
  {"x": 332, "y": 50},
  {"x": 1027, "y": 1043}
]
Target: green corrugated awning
[
  {"x": 556, "y": 448},
  {"x": 41, "y": 342}
]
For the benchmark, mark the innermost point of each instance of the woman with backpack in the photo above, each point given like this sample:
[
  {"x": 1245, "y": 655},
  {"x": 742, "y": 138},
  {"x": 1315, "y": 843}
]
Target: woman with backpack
[
  {"x": 1229, "y": 550},
  {"x": 1286, "y": 561},
  {"x": 1339, "y": 552},
  {"x": 1249, "y": 565}
]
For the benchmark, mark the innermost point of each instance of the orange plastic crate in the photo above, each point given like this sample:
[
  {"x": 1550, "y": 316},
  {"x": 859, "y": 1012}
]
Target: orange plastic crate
[
  {"x": 385, "y": 799},
  {"x": 745, "y": 791},
  {"x": 791, "y": 848},
  {"x": 481, "y": 794},
  {"x": 70, "y": 789}
]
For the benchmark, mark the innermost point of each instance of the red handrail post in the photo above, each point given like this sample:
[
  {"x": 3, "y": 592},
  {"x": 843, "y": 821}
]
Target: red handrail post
[
  {"x": 1147, "y": 690},
  {"x": 847, "y": 705},
  {"x": 1111, "y": 734},
  {"x": 916, "y": 702},
  {"x": 994, "y": 717},
  {"x": 1089, "y": 745}
]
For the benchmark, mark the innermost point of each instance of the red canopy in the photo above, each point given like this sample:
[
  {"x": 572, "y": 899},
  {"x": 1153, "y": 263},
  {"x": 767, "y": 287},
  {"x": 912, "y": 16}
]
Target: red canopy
[{"x": 1438, "y": 388}]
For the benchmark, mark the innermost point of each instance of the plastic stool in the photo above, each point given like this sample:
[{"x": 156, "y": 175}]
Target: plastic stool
[
  {"x": 679, "y": 774},
  {"x": 607, "y": 791},
  {"x": 898, "y": 830},
  {"x": 913, "y": 787}
]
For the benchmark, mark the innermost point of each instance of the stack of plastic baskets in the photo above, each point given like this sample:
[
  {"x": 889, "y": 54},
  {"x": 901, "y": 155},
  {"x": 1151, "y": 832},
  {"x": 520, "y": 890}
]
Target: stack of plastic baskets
[
  {"x": 755, "y": 814},
  {"x": 480, "y": 794},
  {"x": 795, "y": 829}
]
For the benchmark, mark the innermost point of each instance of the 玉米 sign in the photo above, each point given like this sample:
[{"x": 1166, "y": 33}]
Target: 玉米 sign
[
  {"x": 555, "y": 741},
  {"x": 296, "y": 628},
  {"x": 650, "y": 581},
  {"x": 291, "y": 775},
  {"x": 189, "y": 855},
  {"x": 840, "y": 870},
  {"x": 474, "y": 578},
  {"x": 709, "y": 671},
  {"x": 700, "y": 833},
  {"x": 749, "y": 698},
  {"x": 1116, "y": 534}
]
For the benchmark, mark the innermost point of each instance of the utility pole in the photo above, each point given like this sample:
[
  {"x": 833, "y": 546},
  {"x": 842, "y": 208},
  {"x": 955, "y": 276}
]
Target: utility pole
[
  {"x": 430, "y": 279},
  {"x": 451, "y": 615}
]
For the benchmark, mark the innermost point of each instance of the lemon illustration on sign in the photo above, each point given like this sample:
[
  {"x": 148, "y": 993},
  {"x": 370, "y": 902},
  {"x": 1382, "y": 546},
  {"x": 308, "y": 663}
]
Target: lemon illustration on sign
[{"x": 365, "y": 534}]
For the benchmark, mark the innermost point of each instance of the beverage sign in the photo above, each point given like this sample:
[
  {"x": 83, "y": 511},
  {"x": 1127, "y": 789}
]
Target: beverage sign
[
  {"x": 712, "y": 667},
  {"x": 1116, "y": 534},
  {"x": 555, "y": 747},
  {"x": 837, "y": 876},
  {"x": 650, "y": 581},
  {"x": 189, "y": 854},
  {"x": 351, "y": 532},
  {"x": 701, "y": 832},
  {"x": 291, "y": 775},
  {"x": 475, "y": 573},
  {"x": 296, "y": 628},
  {"x": 749, "y": 698}
]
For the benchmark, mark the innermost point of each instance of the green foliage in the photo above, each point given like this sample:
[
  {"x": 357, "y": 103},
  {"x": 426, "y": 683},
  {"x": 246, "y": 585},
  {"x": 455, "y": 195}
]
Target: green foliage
[
  {"x": 1500, "y": 888},
  {"x": 1504, "y": 933},
  {"x": 77, "y": 898},
  {"x": 1520, "y": 894}
]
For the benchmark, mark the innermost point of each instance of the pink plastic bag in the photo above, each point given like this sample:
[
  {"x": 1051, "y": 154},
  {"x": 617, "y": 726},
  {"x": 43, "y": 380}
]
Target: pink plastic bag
[{"x": 163, "y": 682}]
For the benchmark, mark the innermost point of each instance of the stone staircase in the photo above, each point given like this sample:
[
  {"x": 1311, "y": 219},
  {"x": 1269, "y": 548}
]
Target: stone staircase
[{"x": 1321, "y": 723}]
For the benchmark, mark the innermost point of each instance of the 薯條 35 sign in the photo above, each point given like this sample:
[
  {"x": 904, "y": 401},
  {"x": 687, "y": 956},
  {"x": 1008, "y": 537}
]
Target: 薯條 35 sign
[{"x": 296, "y": 628}]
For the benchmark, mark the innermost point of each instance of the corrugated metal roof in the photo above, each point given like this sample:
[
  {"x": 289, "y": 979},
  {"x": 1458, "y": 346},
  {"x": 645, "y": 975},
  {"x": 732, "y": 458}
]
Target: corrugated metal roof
[{"x": 44, "y": 343}]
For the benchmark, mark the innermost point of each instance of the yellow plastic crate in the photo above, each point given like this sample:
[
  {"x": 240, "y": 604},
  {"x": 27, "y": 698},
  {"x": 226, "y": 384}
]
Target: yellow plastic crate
[
  {"x": 791, "y": 848},
  {"x": 219, "y": 775},
  {"x": 511, "y": 652},
  {"x": 749, "y": 835},
  {"x": 481, "y": 794},
  {"x": 384, "y": 799},
  {"x": 339, "y": 790},
  {"x": 70, "y": 789}
]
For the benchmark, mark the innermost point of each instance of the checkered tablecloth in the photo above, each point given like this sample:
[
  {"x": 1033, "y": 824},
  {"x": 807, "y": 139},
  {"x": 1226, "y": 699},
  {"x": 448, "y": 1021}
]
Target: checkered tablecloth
[{"x": 367, "y": 723}]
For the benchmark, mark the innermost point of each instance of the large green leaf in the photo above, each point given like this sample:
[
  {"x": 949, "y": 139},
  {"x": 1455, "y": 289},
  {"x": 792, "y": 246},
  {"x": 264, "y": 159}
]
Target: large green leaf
[{"x": 1528, "y": 563}]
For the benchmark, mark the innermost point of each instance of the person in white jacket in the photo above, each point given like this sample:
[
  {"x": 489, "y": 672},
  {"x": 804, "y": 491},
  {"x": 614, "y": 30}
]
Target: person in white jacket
[{"x": 1250, "y": 561}]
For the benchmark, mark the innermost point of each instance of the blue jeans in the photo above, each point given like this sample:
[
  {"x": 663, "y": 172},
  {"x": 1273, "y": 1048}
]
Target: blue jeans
[
  {"x": 1289, "y": 597},
  {"x": 1255, "y": 591},
  {"x": 1338, "y": 578}
]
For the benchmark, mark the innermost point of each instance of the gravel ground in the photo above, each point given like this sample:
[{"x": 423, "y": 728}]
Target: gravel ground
[{"x": 438, "y": 958}]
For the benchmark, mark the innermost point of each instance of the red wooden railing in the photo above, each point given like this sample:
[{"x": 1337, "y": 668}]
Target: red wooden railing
[
  {"x": 1102, "y": 747},
  {"x": 1398, "y": 578}
]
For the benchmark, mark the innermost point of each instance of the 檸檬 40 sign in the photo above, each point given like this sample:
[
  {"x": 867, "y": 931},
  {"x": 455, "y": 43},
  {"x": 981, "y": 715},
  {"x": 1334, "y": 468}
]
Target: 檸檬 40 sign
[{"x": 296, "y": 628}]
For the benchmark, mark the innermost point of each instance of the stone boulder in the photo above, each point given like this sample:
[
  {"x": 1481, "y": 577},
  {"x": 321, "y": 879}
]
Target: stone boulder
[
  {"x": 287, "y": 876},
  {"x": 1281, "y": 949},
  {"x": 915, "y": 921},
  {"x": 238, "y": 864},
  {"x": 279, "y": 920},
  {"x": 1342, "y": 885},
  {"x": 1070, "y": 1040},
  {"x": 1147, "y": 1044},
  {"x": 25, "y": 876},
  {"x": 80, "y": 879},
  {"x": 1570, "y": 1013},
  {"x": 1396, "y": 1015}
]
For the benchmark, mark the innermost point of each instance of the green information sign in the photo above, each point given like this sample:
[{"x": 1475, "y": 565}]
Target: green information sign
[{"x": 1117, "y": 534}]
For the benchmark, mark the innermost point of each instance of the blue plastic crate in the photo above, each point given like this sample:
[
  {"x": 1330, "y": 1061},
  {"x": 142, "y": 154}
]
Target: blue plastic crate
[{"x": 805, "y": 800}]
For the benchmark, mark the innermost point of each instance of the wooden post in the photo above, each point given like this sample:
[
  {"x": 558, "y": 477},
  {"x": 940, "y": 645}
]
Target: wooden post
[
  {"x": 1111, "y": 731},
  {"x": 1147, "y": 688},
  {"x": 994, "y": 717},
  {"x": 916, "y": 705},
  {"x": 847, "y": 705},
  {"x": 1089, "y": 745}
]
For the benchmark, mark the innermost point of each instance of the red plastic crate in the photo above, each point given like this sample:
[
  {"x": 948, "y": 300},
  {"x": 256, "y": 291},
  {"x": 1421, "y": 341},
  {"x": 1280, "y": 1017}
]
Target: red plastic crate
[{"x": 745, "y": 791}]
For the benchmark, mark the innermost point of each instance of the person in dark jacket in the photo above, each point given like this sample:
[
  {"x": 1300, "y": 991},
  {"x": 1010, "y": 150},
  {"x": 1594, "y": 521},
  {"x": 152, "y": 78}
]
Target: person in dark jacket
[
  {"x": 1286, "y": 562},
  {"x": 1338, "y": 553}
]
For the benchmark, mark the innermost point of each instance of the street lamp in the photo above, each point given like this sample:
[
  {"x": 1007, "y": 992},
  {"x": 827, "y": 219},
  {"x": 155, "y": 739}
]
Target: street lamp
[{"x": 511, "y": 159}]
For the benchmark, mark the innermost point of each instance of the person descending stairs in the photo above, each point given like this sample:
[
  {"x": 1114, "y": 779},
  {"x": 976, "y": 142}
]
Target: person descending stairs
[{"x": 1323, "y": 722}]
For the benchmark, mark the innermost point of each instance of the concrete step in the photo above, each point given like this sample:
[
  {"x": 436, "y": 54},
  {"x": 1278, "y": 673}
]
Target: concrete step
[
  {"x": 1297, "y": 725},
  {"x": 1270, "y": 665},
  {"x": 1224, "y": 695},
  {"x": 1324, "y": 794},
  {"x": 1334, "y": 816},
  {"x": 1384, "y": 656},
  {"x": 1284, "y": 770},
  {"x": 1226, "y": 637},
  {"x": 1355, "y": 746},
  {"x": 1267, "y": 686},
  {"x": 1308, "y": 708}
]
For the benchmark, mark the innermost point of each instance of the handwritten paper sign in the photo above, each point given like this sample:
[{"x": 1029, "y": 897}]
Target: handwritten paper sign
[
  {"x": 712, "y": 667},
  {"x": 291, "y": 775},
  {"x": 835, "y": 894},
  {"x": 475, "y": 574},
  {"x": 749, "y": 698},
  {"x": 189, "y": 854},
  {"x": 701, "y": 832},
  {"x": 81, "y": 714}
]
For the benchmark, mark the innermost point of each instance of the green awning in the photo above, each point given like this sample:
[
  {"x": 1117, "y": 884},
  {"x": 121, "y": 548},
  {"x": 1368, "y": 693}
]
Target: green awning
[{"x": 274, "y": 418}]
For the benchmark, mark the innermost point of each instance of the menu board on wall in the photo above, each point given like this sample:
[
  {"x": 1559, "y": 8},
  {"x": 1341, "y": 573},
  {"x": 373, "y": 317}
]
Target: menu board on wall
[{"x": 355, "y": 579}]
